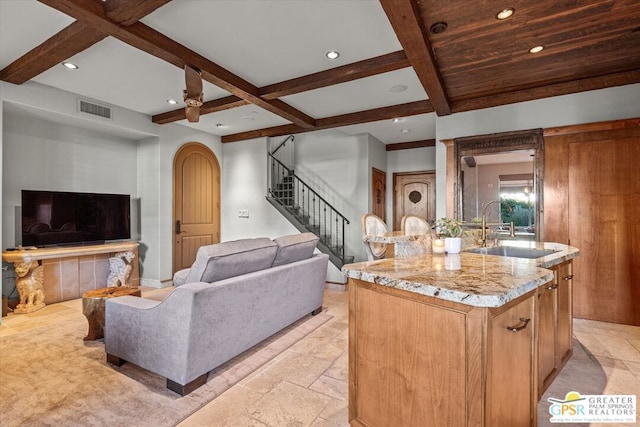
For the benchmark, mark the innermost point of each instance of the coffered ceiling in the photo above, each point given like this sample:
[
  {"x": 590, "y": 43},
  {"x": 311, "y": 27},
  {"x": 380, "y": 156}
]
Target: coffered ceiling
[{"x": 266, "y": 74}]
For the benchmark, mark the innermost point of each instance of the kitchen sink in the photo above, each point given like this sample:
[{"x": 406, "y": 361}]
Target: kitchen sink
[{"x": 513, "y": 251}]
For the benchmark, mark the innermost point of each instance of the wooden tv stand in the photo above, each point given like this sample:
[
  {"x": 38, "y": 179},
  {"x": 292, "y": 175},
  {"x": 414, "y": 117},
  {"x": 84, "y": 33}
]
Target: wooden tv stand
[{"x": 69, "y": 271}]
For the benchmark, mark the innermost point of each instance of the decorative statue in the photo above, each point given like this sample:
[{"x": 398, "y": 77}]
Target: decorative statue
[
  {"x": 30, "y": 276},
  {"x": 121, "y": 268}
]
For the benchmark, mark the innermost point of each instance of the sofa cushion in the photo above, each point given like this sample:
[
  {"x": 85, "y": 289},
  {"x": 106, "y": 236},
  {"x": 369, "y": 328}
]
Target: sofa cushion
[
  {"x": 294, "y": 248},
  {"x": 180, "y": 277},
  {"x": 230, "y": 259}
]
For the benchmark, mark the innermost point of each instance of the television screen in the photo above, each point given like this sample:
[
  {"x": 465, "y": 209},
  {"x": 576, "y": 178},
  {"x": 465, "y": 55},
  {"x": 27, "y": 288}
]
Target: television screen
[{"x": 56, "y": 217}]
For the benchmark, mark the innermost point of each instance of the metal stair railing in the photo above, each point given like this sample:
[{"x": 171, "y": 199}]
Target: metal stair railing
[{"x": 308, "y": 207}]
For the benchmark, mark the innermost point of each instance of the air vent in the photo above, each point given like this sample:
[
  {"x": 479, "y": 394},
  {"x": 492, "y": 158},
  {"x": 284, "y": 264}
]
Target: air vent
[{"x": 94, "y": 109}]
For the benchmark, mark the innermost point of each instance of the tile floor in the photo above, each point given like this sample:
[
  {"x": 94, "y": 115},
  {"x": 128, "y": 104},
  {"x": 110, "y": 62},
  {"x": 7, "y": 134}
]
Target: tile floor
[{"x": 307, "y": 385}]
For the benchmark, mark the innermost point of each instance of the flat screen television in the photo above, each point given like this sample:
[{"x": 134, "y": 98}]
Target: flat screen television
[{"x": 52, "y": 218}]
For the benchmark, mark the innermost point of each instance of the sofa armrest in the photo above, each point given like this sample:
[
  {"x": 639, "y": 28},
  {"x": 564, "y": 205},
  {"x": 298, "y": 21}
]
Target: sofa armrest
[{"x": 151, "y": 334}]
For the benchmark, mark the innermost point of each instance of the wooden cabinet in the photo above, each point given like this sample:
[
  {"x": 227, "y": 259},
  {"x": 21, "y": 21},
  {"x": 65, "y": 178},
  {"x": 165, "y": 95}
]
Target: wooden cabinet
[
  {"x": 564, "y": 276},
  {"x": 555, "y": 320},
  {"x": 547, "y": 338},
  {"x": 510, "y": 397},
  {"x": 416, "y": 360}
]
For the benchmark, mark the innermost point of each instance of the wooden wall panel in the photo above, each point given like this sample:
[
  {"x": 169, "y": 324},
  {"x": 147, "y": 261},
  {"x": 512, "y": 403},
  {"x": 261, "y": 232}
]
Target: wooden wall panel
[{"x": 592, "y": 196}]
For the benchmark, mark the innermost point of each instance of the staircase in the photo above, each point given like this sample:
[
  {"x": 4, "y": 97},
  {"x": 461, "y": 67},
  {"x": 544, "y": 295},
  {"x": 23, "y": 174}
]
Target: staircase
[{"x": 307, "y": 210}]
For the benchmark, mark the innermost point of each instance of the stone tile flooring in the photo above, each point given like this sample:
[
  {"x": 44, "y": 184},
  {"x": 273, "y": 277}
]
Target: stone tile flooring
[{"x": 307, "y": 385}]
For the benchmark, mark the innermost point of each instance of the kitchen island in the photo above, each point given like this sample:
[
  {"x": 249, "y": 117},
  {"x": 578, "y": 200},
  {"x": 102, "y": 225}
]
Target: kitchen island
[{"x": 457, "y": 340}]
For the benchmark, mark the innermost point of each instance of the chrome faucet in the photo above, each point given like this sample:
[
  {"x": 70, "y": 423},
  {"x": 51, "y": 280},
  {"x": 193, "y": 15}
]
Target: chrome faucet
[{"x": 512, "y": 232}]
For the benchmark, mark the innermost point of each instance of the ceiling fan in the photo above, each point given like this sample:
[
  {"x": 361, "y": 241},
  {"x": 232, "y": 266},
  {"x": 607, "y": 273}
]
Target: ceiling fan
[{"x": 193, "y": 93}]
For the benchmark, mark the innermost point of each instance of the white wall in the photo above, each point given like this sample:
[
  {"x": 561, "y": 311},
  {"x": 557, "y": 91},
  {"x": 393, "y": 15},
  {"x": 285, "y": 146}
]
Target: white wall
[
  {"x": 244, "y": 186},
  {"x": 42, "y": 155},
  {"x": 144, "y": 168},
  {"x": 587, "y": 107},
  {"x": 337, "y": 166}
]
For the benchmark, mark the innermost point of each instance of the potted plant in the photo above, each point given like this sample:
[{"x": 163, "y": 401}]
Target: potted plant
[{"x": 451, "y": 230}]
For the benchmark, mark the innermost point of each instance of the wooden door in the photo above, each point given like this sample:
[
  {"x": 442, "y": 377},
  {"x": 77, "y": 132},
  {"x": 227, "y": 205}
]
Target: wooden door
[
  {"x": 379, "y": 193},
  {"x": 414, "y": 194},
  {"x": 604, "y": 204},
  {"x": 196, "y": 209}
]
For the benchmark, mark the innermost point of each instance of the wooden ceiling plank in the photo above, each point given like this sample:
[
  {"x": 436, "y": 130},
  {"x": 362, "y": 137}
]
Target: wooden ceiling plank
[
  {"x": 157, "y": 44},
  {"x": 376, "y": 114},
  {"x": 61, "y": 46},
  {"x": 208, "y": 107},
  {"x": 127, "y": 12},
  {"x": 407, "y": 23},
  {"x": 346, "y": 73}
]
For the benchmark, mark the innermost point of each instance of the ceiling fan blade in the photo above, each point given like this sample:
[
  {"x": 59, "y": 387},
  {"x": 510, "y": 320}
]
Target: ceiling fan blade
[
  {"x": 192, "y": 113},
  {"x": 193, "y": 81}
]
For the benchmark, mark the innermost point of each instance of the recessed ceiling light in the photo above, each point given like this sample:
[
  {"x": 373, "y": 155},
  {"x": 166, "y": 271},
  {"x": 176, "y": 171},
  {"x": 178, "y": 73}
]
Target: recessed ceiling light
[
  {"x": 219, "y": 125},
  {"x": 405, "y": 131},
  {"x": 398, "y": 88},
  {"x": 536, "y": 49},
  {"x": 172, "y": 101},
  {"x": 438, "y": 27},
  {"x": 70, "y": 65},
  {"x": 333, "y": 54},
  {"x": 397, "y": 120},
  {"x": 505, "y": 13}
]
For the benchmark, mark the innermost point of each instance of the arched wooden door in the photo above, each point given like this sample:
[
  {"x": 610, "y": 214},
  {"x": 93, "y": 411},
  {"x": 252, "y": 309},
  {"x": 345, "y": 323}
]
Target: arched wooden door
[
  {"x": 414, "y": 194},
  {"x": 196, "y": 202}
]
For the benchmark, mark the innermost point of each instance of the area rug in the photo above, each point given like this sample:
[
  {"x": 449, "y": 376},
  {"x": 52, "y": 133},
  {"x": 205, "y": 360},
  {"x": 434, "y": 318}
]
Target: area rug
[{"x": 49, "y": 376}]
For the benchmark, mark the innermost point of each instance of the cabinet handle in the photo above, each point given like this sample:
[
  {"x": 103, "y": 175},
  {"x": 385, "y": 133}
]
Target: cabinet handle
[
  {"x": 569, "y": 277},
  {"x": 552, "y": 287},
  {"x": 524, "y": 321}
]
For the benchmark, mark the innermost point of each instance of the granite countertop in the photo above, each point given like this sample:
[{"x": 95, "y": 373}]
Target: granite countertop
[{"x": 468, "y": 278}]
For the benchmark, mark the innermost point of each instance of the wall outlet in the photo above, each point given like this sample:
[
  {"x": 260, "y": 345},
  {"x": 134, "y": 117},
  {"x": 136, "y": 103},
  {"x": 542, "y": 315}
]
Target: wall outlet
[{"x": 243, "y": 213}]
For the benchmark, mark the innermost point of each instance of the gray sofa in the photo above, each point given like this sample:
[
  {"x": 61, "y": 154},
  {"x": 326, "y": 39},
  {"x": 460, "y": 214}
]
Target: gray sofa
[{"x": 235, "y": 295}]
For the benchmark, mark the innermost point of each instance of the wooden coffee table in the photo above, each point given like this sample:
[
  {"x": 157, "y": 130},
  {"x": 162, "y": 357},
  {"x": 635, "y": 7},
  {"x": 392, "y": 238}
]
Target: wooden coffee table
[{"x": 93, "y": 307}]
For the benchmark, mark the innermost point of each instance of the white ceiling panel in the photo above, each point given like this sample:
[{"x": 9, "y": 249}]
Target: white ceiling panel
[
  {"x": 358, "y": 95},
  {"x": 24, "y": 24},
  {"x": 240, "y": 119},
  {"x": 266, "y": 42},
  {"x": 114, "y": 72},
  {"x": 416, "y": 128}
]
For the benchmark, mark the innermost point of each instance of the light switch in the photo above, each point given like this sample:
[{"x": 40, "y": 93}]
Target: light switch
[{"x": 243, "y": 213}]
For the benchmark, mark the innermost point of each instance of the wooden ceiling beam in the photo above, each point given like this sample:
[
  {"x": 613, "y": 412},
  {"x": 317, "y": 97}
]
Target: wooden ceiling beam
[
  {"x": 548, "y": 91},
  {"x": 409, "y": 145},
  {"x": 74, "y": 39},
  {"x": 128, "y": 12},
  {"x": 61, "y": 46},
  {"x": 346, "y": 73},
  {"x": 376, "y": 114},
  {"x": 157, "y": 44},
  {"x": 208, "y": 107},
  {"x": 408, "y": 25},
  {"x": 357, "y": 70}
]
